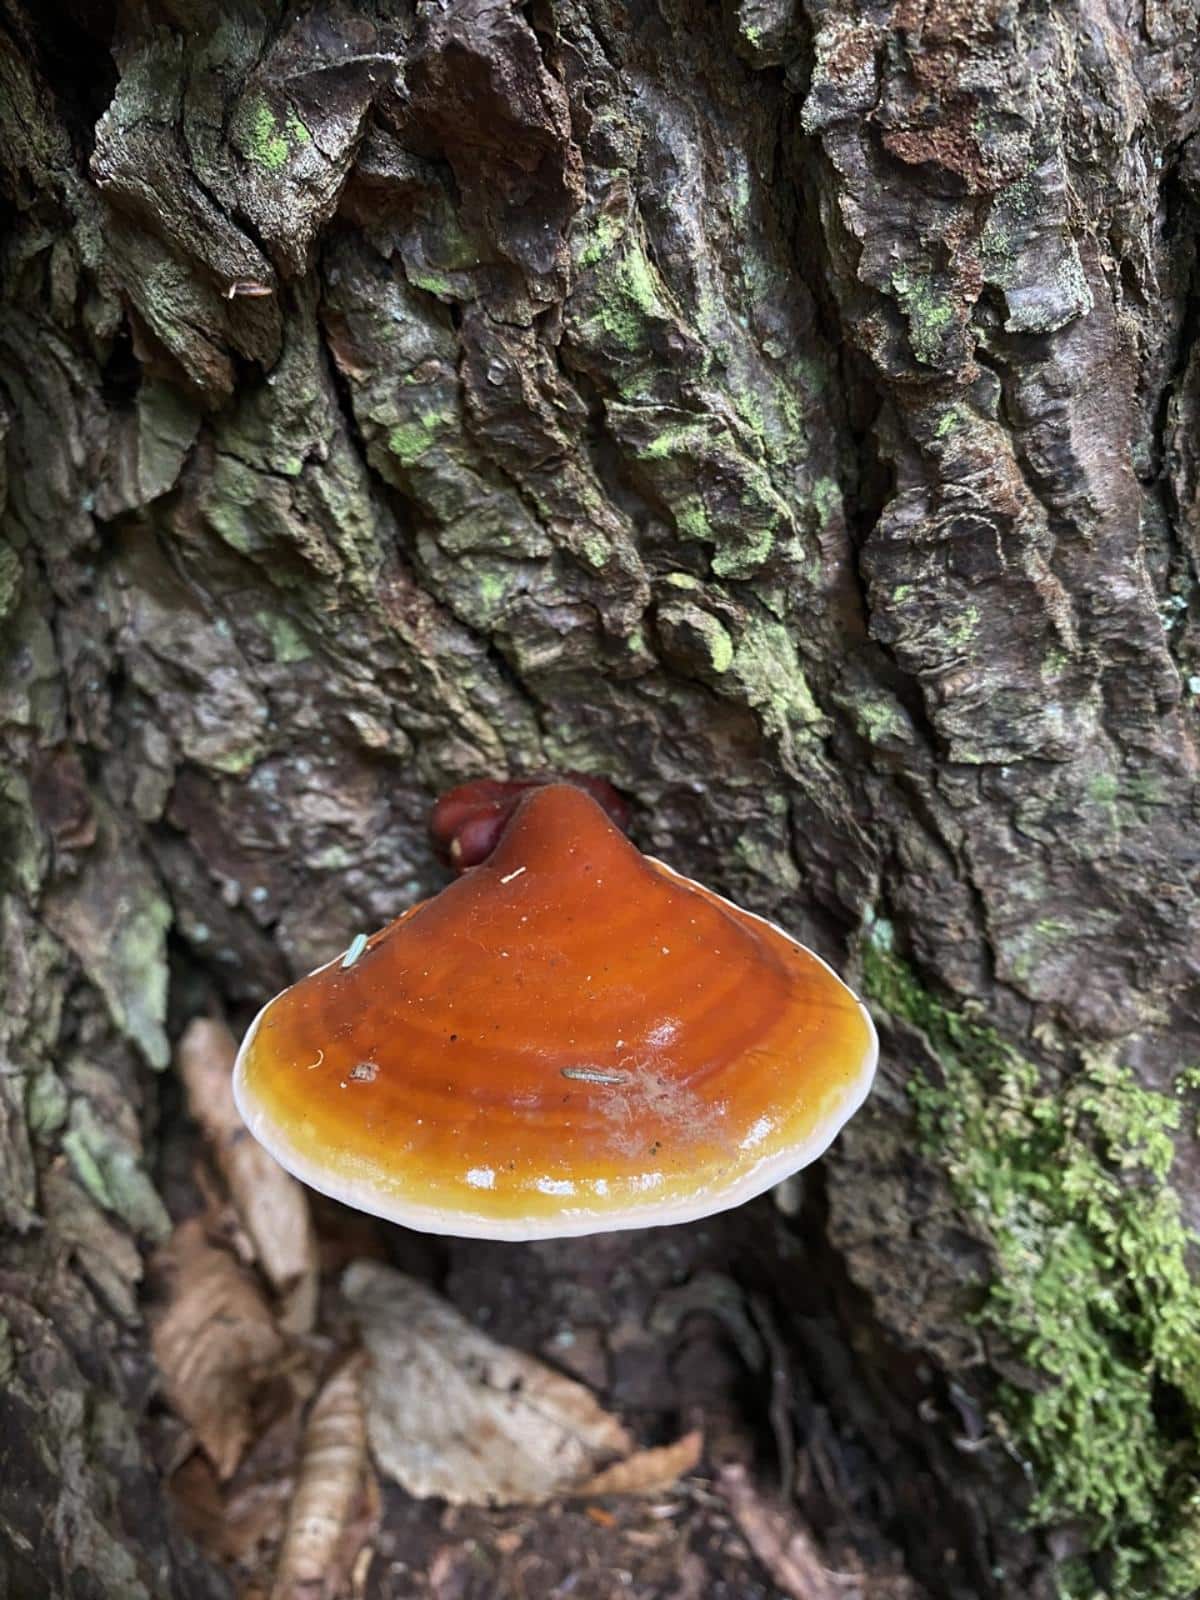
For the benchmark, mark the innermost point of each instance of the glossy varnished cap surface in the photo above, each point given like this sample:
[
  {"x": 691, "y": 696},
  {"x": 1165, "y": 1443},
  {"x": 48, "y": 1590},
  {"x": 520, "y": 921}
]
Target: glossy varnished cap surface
[{"x": 570, "y": 1038}]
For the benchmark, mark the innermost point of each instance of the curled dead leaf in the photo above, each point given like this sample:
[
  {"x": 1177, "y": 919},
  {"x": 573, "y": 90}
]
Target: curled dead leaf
[
  {"x": 235, "y": 1522},
  {"x": 452, "y": 1413},
  {"x": 214, "y": 1342},
  {"x": 241, "y": 1521},
  {"x": 331, "y": 1470},
  {"x": 272, "y": 1206},
  {"x": 648, "y": 1471},
  {"x": 781, "y": 1543}
]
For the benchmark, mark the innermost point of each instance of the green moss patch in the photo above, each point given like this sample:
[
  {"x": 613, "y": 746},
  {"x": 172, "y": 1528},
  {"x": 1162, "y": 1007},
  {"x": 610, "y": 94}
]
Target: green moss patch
[
  {"x": 1090, "y": 1289},
  {"x": 264, "y": 139}
]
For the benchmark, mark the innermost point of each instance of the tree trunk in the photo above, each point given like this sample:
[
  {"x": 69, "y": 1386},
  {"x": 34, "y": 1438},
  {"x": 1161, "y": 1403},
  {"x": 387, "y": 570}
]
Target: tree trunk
[{"x": 785, "y": 409}]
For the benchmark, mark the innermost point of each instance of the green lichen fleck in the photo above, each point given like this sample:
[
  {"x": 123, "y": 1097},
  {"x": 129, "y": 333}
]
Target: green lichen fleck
[
  {"x": 766, "y": 666},
  {"x": 692, "y": 519},
  {"x": 493, "y": 588},
  {"x": 827, "y": 497},
  {"x": 607, "y": 229},
  {"x": 961, "y": 631},
  {"x": 1143, "y": 789},
  {"x": 432, "y": 281},
  {"x": 593, "y": 548},
  {"x": 112, "y": 1173},
  {"x": 720, "y": 650},
  {"x": 689, "y": 438},
  {"x": 881, "y": 719},
  {"x": 714, "y": 637},
  {"x": 744, "y": 559},
  {"x": 1090, "y": 1285},
  {"x": 929, "y": 315},
  {"x": 296, "y": 130},
  {"x": 410, "y": 441},
  {"x": 46, "y": 1103},
  {"x": 288, "y": 644},
  {"x": 631, "y": 297},
  {"x": 750, "y": 409},
  {"x": 640, "y": 282},
  {"x": 235, "y": 760},
  {"x": 769, "y": 859},
  {"x": 267, "y": 145},
  {"x": 949, "y": 422}
]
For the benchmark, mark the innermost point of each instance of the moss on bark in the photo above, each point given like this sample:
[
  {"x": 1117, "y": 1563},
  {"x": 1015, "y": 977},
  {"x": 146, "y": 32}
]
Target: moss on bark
[{"x": 1090, "y": 1286}]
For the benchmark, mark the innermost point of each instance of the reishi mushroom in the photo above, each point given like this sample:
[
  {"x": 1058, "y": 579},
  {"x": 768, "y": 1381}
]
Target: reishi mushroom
[
  {"x": 568, "y": 1039},
  {"x": 467, "y": 822}
]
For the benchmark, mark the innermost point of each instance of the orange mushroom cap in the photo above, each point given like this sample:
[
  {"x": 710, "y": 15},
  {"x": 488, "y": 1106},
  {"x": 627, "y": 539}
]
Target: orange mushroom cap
[{"x": 571, "y": 1038}]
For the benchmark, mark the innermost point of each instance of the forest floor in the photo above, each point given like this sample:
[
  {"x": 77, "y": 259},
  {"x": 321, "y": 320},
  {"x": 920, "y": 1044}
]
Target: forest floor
[{"x": 744, "y": 1484}]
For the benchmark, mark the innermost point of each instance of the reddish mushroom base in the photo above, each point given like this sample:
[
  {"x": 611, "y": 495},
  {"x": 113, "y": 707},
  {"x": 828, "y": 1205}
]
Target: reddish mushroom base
[
  {"x": 569, "y": 1039},
  {"x": 467, "y": 822}
]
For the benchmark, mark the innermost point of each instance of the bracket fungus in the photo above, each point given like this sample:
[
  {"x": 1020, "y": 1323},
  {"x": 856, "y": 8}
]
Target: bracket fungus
[
  {"x": 467, "y": 822},
  {"x": 568, "y": 1039}
]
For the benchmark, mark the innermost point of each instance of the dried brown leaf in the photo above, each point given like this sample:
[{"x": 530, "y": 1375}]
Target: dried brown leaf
[
  {"x": 214, "y": 1342},
  {"x": 648, "y": 1471},
  {"x": 273, "y": 1207},
  {"x": 452, "y": 1413},
  {"x": 197, "y": 1497},
  {"x": 780, "y": 1543},
  {"x": 330, "y": 1478},
  {"x": 241, "y": 1522},
  {"x": 360, "y": 1572},
  {"x": 235, "y": 1524}
]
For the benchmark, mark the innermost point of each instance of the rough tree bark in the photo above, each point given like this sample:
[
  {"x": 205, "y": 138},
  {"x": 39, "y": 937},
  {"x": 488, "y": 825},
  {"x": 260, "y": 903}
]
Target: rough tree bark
[{"x": 787, "y": 409}]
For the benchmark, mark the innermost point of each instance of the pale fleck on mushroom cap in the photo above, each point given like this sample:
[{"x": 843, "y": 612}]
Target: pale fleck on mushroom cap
[{"x": 570, "y": 1039}]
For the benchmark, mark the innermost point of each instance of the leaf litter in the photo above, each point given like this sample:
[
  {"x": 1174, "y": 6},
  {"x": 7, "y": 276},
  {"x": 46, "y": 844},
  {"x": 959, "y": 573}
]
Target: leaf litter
[
  {"x": 214, "y": 1343},
  {"x": 289, "y": 1393},
  {"x": 271, "y": 1205},
  {"x": 332, "y": 1465},
  {"x": 452, "y": 1413},
  {"x": 279, "y": 1491}
]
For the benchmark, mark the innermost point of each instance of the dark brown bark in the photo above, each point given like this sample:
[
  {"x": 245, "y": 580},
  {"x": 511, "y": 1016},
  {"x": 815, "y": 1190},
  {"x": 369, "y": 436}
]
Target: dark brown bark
[{"x": 787, "y": 410}]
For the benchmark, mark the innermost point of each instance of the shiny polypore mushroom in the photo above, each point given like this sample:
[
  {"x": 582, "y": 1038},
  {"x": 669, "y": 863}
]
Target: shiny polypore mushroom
[
  {"x": 568, "y": 1039},
  {"x": 466, "y": 823}
]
